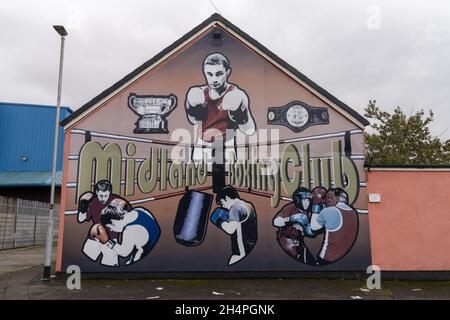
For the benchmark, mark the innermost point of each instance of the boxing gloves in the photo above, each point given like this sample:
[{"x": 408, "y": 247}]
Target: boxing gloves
[
  {"x": 240, "y": 115},
  {"x": 299, "y": 218},
  {"x": 195, "y": 104},
  {"x": 219, "y": 216},
  {"x": 308, "y": 231},
  {"x": 99, "y": 232},
  {"x": 279, "y": 222},
  {"x": 236, "y": 103},
  {"x": 83, "y": 205},
  {"x": 302, "y": 219},
  {"x": 318, "y": 198},
  {"x": 85, "y": 200}
]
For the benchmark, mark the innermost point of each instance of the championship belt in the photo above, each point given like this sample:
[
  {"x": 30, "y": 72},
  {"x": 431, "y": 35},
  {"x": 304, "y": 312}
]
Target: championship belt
[{"x": 297, "y": 116}]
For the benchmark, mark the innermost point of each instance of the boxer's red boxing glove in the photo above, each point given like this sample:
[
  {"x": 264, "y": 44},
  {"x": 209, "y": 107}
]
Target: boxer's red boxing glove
[
  {"x": 318, "y": 199},
  {"x": 318, "y": 195},
  {"x": 99, "y": 232}
]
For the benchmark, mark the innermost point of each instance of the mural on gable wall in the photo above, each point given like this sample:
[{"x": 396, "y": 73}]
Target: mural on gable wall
[{"x": 250, "y": 172}]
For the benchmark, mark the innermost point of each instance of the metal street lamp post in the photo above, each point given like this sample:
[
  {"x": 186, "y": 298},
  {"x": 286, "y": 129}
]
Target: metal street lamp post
[{"x": 49, "y": 242}]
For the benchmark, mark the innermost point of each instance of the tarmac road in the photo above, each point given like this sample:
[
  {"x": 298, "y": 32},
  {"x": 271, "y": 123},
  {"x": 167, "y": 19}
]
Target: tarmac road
[{"x": 21, "y": 269}]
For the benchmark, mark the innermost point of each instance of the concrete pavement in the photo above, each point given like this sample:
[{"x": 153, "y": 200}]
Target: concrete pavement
[
  {"x": 22, "y": 258},
  {"x": 21, "y": 269}
]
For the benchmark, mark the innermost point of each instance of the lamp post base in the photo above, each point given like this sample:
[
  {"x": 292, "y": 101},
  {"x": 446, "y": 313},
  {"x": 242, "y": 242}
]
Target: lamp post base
[{"x": 46, "y": 276}]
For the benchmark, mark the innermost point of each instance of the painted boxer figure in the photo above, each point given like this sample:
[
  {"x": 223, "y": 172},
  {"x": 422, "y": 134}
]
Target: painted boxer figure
[
  {"x": 340, "y": 224},
  {"x": 140, "y": 232},
  {"x": 218, "y": 108},
  {"x": 289, "y": 221},
  {"x": 90, "y": 206},
  {"x": 237, "y": 218},
  {"x": 338, "y": 221}
]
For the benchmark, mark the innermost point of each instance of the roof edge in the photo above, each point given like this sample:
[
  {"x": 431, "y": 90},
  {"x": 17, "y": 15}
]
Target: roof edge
[
  {"x": 215, "y": 18},
  {"x": 407, "y": 166},
  {"x": 136, "y": 71},
  {"x": 294, "y": 71},
  {"x": 35, "y": 105}
]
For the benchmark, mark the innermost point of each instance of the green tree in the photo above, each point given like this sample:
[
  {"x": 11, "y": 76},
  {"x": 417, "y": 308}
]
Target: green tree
[{"x": 399, "y": 139}]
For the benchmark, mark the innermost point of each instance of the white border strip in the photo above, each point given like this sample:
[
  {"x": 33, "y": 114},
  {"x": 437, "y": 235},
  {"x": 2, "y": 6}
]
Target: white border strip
[
  {"x": 323, "y": 136},
  {"x": 111, "y": 136},
  {"x": 74, "y": 212},
  {"x": 142, "y": 200},
  {"x": 75, "y": 157},
  {"x": 128, "y": 138},
  {"x": 354, "y": 157},
  {"x": 122, "y": 182}
]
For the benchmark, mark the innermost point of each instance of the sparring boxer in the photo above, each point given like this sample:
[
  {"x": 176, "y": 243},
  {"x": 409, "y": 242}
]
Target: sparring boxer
[
  {"x": 90, "y": 206},
  {"x": 339, "y": 222},
  {"x": 237, "y": 218},
  {"x": 218, "y": 108},
  {"x": 290, "y": 221},
  {"x": 140, "y": 232}
]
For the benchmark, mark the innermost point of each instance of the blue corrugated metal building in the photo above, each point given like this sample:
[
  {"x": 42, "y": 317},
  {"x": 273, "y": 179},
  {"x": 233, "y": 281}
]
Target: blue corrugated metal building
[{"x": 26, "y": 148}]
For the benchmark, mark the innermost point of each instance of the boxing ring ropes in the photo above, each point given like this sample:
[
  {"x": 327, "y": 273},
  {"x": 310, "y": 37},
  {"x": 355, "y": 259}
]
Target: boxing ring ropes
[{"x": 90, "y": 134}]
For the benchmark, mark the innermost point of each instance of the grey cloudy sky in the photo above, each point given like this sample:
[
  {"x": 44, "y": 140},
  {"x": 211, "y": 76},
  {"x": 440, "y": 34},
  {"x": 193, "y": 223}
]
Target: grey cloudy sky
[{"x": 402, "y": 58}]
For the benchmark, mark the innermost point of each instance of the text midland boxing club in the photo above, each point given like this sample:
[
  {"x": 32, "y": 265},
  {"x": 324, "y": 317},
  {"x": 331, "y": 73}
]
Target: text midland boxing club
[{"x": 98, "y": 162}]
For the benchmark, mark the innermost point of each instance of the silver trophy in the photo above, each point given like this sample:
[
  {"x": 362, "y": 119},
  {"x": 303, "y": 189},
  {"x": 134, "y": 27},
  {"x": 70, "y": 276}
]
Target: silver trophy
[{"x": 152, "y": 111}]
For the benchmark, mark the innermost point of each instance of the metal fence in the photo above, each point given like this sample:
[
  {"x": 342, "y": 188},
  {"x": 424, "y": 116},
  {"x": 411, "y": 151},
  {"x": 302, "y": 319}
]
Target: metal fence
[{"x": 24, "y": 222}]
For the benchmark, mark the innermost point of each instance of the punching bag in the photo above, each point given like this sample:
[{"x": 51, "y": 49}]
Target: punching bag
[{"x": 191, "y": 220}]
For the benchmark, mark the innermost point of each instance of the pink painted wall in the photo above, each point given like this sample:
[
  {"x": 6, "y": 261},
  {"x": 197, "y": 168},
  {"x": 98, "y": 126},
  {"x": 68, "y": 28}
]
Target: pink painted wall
[{"x": 410, "y": 227}]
